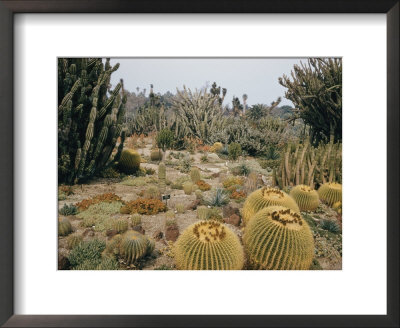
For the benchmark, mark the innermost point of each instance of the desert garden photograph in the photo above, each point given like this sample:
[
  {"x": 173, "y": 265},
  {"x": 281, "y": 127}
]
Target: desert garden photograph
[{"x": 199, "y": 164}]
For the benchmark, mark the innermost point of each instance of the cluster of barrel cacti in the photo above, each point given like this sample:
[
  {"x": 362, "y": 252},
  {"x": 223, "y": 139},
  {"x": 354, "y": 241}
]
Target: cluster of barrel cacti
[
  {"x": 90, "y": 117},
  {"x": 312, "y": 166},
  {"x": 208, "y": 245}
]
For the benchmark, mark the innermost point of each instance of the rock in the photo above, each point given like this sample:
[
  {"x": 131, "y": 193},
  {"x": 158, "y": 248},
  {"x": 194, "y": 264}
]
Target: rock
[
  {"x": 111, "y": 233},
  {"x": 229, "y": 210},
  {"x": 138, "y": 228},
  {"x": 63, "y": 262},
  {"x": 234, "y": 219},
  {"x": 158, "y": 235},
  {"x": 172, "y": 233},
  {"x": 192, "y": 206}
]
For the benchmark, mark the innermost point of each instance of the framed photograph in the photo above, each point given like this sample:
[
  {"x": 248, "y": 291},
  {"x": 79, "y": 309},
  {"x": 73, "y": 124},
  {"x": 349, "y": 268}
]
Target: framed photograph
[{"x": 199, "y": 164}]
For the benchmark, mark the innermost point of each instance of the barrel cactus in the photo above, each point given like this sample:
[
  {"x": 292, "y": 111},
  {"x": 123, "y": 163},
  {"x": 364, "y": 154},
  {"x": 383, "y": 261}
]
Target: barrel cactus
[
  {"x": 306, "y": 197},
  {"x": 136, "y": 219},
  {"x": 337, "y": 207},
  {"x": 330, "y": 193},
  {"x": 156, "y": 155},
  {"x": 64, "y": 227},
  {"x": 195, "y": 174},
  {"x": 208, "y": 245},
  {"x": 188, "y": 188},
  {"x": 120, "y": 225},
  {"x": 265, "y": 197},
  {"x": 216, "y": 147},
  {"x": 74, "y": 240},
  {"x": 129, "y": 162},
  {"x": 278, "y": 238},
  {"x": 203, "y": 212},
  {"x": 133, "y": 246}
]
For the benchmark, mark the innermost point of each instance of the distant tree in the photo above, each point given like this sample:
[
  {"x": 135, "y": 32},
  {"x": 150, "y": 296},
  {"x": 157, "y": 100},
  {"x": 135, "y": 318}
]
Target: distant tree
[
  {"x": 316, "y": 91},
  {"x": 258, "y": 111},
  {"x": 244, "y": 103}
]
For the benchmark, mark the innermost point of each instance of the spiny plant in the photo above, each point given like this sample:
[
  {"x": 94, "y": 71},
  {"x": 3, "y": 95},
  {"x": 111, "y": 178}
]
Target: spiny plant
[
  {"x": 64, "y": 227},
  {"x": 134, "y": 246},
  {"x": 90, "y": 117},
  {"x": 199, "y": 194},
  {"x": 100, "y": 211},
  {"x": 136, "y": 219},
  {"x": 107, "y": 263},
  {"x": 187, "y": 187},
  {"x": 165, "y": 139},
  {"x": 277, "y": 238},
  {"x": 208, "y": 245},
  {"x": 195, "y": 174},
  {"x": 203, "y": 213},
  {"x": 156, "y": 155},
  {"x": 330, "y": 193},
  {"x": 152, "y": 192},
  {"x": 74, "y": 240},
  {"x": 251, "y": 183},
  {"x": 231, "y": 181},
  {"x": 330, "y": 225},
  {"x": 306, "y": 197},
  {"x": 178, "y": 183},
  {"x": 217, "y": 198},
  {"x": 216, "y": 147},
  {"x": 265, "y": 197},
  {"x": 170, "y": 214},
  {"x": 68, "y": 210},
  {"x": 120, "y": 225},
  {"x": 87, "y": 251},
  {"x": 145, "y": 206},
  {"x": 162, "y": 176},
  {"x": 180, "y": 208},
  {"x": 129, "y": 162},
  {"x": 234, "y": 150},
  {"x": 337, "y": 207}
]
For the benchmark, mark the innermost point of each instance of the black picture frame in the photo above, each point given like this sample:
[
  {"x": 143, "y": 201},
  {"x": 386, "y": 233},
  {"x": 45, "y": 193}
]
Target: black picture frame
[{"x": 7, "y": 10}]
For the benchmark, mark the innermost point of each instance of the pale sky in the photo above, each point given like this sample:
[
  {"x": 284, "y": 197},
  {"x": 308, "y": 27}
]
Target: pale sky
[{"x": 258, "y": 78}]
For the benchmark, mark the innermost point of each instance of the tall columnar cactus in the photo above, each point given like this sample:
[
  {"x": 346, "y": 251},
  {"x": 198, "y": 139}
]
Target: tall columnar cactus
[
  {"x": 195, "y": 174},
  {"x": 330, "y": 193},
  {"x": 162, "y": 174},
  {"x": 306, "y": 197},
  {"x": 90, "y": 117},
  {"x": 64, "y": 227},
  {"x": 129, "y": 161},
  {"x": 208, "y": 245},
  {"x": 265, "y": 197},
  {"x": 278, "y": 238}
]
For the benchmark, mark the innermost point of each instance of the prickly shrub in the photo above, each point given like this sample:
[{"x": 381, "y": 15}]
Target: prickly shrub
[
  {"x": 265, "y": 197},
  {"x": 156, "y": 155},
  {"x": 87, "y": 251},
  {"x": 145, "y": 206},
  {"x": 208, "y": 245},
  {"x": 203, "y": 186},
  {"x": 306, "y": 197},
  {"x": 180, "y": 208},
  {"x": 330, "y": 193},
  {"x": 217, "y": 198},
  {"x": 67, "y": 190},
  {"x": 330, "y": 225},
  {"x": 129, "y": 162},
  {"x": 68, "y": 210},
  {"x": 234, "y": 150},
  {"x": 133, "y": 246},
  {"x": 185, "y": 165},
  {"x": 64, "y": 227},
  {"x": 277, "y": 238},
  {"x": 199, "y": 194},
  {"x": 251, "y": 183},
  {"x": 203, "y": 213},
  {"x": 74, "y": 240},
  {"x": 136, "y": 219},
  {"x": 120, "y": 225},
  {"x": 195, "y": 174},
  {"x": 187, "y": 187},
  {"x": 232, "y": 181}
]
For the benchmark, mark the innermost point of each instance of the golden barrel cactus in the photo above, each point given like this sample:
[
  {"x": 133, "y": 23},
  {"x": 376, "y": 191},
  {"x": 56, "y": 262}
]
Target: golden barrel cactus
[
  {"x": 330, "y": 193},
  {"x": 133, "y": 246},
  {"x": 208, "y": 245},
  {"x": 306, "y": 197},
  {"x": 278, "y": 238},
  {"x": 129, "y": 162},
  {"x": 265, "y": 197}
]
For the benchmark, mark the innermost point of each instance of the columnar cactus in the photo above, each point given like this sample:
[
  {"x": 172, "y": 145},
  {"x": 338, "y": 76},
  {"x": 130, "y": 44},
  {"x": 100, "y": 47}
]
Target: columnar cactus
[
  {"x": 277, "y": 238},
  {"x": 129, "y": 161},
  {"x": 162, "y": 176},
  {"x": 306, "y": 197},
  {"x": 265, "y": 197},
  {"x": 90, "y": 117},
  {"x": 330, "y": 193},
  {"x": 195, "y": 174},
  {"x": 208, "y": 245},
  {"x": 64, "y": 227}
]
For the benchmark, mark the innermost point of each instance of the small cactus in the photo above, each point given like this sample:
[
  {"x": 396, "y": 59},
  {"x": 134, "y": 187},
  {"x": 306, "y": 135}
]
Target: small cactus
[
  {"x": 265, "y": 197},
  {"x": 208, "y": 245},
  {"x": 120, "y": 225},
  {"x": 74, "y": 240},
  {"x": 195, "y": 174},
  {"x": 64, "y": 227},
  {"x": 306, "y": 197},
  {"x": 337, "y": 207},
  {"x": 162, "y": 176},
  {"x": 156, "y": 155},
  {"x": 170, "y": 214},
  {"x": 133, "y": 246},
  {"x": 278, "y": 238},
  {"x": 330, "y": 193},
  {"x": 129, "y": 162},
  {"x": 136, "y": 219},
  {"x": 187, "y": 187},
  {"x": 203, "y": 213},
  {"x": 180, "y": 208},
  {"x": 152, "y": 192}
]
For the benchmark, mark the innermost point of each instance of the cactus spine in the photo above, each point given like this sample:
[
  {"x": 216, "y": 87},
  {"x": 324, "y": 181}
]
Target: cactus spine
[
  {"x": 306, "y": 197},
  {"x": 265, "y": 197},
  {"x": 208, "y": 245},
  {"x": 277, "y": 238},
  {"x": 330, "y": 193}
]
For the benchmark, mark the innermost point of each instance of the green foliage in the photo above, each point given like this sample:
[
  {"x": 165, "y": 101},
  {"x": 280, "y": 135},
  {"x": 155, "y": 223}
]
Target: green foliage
[
  {"x": 68, "y": 210},
  {"x": 100, "y": 215},
  {"x": 129, "y": 162},
  {"x": 208, "y": 245},
  {"x": 165, "y": 139},
  {"x": 316, "y": 92},
  {"x": 152, "y": 192},
  {"x": 330, "y": 225},
  {"x": 185, "y": 165},
  {"x": 64, "y": 227},
  {"x": 218, "y": 197},
  {"x": 139, "y": 181},
  {"x": 110, "y": 172},
  {"x": 90, "y": 117},
  {"x": 277, "y": 238},
  {"x": 178, "y": 183},
  {"x": 108, "y": 263},
  {"x": 234, "y": 150},
  {"x": 87, "y": 251}
]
